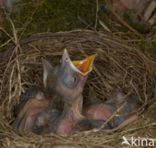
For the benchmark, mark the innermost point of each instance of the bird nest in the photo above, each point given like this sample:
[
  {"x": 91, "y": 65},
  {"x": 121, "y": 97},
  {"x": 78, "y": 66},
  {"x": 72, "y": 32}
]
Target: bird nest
[{"x": 117, "y": 66}]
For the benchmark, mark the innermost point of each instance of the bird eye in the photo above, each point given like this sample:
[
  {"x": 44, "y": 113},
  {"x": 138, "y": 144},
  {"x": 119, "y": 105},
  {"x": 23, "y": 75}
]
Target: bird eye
[
  {"x": 75, "y": 79},
  {"x": 70, "y": 81}
]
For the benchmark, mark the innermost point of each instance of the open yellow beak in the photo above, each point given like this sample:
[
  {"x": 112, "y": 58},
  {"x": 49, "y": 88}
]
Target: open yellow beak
[{"x": 85, "y": 66}]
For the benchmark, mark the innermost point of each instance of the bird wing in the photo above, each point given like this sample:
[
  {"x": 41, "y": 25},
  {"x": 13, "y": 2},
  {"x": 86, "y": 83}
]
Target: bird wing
[{"x": 29, "y": 112}]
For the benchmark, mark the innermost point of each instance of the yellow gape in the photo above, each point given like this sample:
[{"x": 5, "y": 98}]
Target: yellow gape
[{"x": 85, "y": 66}]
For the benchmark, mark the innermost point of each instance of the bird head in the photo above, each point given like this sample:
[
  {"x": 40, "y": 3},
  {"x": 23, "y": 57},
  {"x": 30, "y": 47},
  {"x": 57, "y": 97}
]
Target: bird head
[{"x": 69, "y": 77}]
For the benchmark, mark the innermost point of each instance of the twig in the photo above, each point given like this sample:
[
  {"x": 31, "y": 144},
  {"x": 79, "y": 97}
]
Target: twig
[
  {"x": 28, "y": 21},
  {"x": 125, "y": 24},
  {"x": 3, "y": 30},
  {"x": 85, "y": 23},
  {"x": 4, "y": 44},
  {"x": 10, "y": 83},
  {"x": 136, "y": 91},
  {"x": 96, "y": 16},
  {"x": 17, "y": 51},
  {"x": 104, "y": 26}
]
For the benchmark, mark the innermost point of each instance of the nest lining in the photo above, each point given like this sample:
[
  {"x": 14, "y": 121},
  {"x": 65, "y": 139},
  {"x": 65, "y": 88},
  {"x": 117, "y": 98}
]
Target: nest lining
[{"x": 117, "y": 66}]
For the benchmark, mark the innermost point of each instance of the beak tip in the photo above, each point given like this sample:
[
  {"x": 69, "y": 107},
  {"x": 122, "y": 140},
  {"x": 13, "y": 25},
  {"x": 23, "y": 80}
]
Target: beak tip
[{"x": 65, "y": 51}]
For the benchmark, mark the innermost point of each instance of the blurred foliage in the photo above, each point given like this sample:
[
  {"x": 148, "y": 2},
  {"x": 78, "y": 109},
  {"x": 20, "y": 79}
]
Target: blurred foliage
[
  {"x": 149, "y": 46},
  {"x": 53, "y": 15},
  {"x": 33, "y": 16}
]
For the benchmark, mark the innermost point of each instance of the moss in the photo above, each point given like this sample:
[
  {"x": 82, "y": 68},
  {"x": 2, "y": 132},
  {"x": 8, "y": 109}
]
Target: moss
[
  {"x": 58, "y": 15},
  {"x": 148, "y": 46},
  {"x": 64, "y": 15}
]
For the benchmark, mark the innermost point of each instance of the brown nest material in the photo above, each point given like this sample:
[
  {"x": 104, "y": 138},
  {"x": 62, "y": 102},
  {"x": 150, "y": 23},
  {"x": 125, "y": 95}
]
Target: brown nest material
[{"x": 117, "y": 66}]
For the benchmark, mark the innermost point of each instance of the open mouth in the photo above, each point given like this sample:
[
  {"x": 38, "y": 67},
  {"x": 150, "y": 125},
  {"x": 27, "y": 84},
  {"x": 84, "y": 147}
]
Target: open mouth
[{"x": 85, "y": 66}]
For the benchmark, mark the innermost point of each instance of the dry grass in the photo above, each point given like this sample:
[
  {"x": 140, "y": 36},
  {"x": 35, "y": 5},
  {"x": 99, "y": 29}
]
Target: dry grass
[{"x": 117, "y": 66}]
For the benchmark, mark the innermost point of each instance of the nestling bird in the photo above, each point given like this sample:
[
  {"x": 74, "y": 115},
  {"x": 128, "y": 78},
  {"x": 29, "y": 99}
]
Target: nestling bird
[
  {"x": 71, "y": 80},
  {"x": 57, "y": 108},
  {"x": 99, "y": 110},
  {"x": 31, "y": 104}
]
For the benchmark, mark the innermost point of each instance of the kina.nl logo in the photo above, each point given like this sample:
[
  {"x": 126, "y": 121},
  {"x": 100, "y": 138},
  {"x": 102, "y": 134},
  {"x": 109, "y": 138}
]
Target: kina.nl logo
[{"x": 138, "y": 142}]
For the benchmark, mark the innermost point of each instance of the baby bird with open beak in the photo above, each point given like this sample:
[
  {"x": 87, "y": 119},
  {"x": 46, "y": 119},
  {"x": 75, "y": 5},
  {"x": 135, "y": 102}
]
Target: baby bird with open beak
[
  {"x": 72, "y": 77},
  {"x": 58, "y": 108}
]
